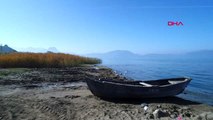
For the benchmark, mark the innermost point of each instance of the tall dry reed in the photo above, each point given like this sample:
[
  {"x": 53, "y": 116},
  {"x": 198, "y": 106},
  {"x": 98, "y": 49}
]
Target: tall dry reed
[{"x": 41, "y": 60}]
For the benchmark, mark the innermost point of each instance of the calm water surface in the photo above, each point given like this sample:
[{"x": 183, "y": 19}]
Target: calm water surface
[{"x": 201, "y": 71}]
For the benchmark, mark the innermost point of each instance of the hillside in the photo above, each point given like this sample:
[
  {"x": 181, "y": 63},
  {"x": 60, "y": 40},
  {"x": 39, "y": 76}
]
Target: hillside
[
  {"x": 6, "y": 49},
  {"x": 124, "y": 56},
  {"x": 117, "y": 56}
]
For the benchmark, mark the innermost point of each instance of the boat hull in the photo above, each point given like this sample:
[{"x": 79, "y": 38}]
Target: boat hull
[{"x": 120, "y": 90}]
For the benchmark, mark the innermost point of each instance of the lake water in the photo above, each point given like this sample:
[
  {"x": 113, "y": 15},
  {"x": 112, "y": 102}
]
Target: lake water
[{"x": 201, "y": 71}]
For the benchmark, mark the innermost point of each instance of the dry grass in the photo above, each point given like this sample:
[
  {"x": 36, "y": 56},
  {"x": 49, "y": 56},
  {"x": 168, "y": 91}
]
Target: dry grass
[{"x": 41, "y": 60}]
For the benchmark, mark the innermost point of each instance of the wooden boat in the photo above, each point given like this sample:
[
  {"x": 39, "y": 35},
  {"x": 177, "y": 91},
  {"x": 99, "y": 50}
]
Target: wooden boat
[{"x": 112, "y": 89}]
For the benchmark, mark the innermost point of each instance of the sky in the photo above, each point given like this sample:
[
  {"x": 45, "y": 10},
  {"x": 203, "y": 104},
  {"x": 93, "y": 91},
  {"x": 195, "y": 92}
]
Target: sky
[{"x": 97, "y": 26}]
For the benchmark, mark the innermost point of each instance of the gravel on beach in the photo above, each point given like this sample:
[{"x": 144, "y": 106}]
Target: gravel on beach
[{"x": 62, "y": 94}]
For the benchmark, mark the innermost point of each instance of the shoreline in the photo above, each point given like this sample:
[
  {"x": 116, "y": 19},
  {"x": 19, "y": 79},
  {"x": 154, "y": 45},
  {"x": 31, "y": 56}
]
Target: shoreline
[{"x": 61, "y": 93}]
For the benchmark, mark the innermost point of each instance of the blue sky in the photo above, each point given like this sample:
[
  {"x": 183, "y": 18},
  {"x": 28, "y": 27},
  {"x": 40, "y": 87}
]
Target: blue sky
[{"x": 93, "y": 26}]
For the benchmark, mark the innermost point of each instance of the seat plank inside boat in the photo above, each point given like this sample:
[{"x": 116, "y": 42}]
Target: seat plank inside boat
[
  {"x": 145, "y": 84},
  {"x": 175, "y": 82}
]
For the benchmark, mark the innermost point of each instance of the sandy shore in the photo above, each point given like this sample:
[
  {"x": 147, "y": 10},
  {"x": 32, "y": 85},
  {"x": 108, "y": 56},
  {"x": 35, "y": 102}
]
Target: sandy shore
[{"x": 62, "y": 94}]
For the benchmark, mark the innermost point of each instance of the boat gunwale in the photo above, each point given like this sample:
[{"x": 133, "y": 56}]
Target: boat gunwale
[{"x": 157, "y": 86}]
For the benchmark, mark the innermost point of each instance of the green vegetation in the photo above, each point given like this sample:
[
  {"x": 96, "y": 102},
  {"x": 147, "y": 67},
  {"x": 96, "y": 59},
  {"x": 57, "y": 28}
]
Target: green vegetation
[{"x": 41, "y": 60}]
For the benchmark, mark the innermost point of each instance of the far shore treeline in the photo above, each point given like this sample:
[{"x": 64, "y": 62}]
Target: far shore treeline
[{"x": 41, "y": 60}]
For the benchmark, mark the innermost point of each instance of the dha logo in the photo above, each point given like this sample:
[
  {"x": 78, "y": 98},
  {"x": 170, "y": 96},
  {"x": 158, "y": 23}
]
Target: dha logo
[{"x": 171, "y": 23}]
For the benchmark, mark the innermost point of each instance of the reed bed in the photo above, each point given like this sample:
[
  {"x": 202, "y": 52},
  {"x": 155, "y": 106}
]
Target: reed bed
[{"x": 43, "y": 60}]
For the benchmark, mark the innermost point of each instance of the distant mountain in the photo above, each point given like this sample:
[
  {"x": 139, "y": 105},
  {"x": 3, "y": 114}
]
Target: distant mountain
[
  {"x": 127, "y": 57},
  {"x": 53, "y": 49},
  {"x": 39, "y": 50},
  {"x": 201, "y": 53},
  {"x": 6, "y": 49},
  {"x": 118, "y": 56}
]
